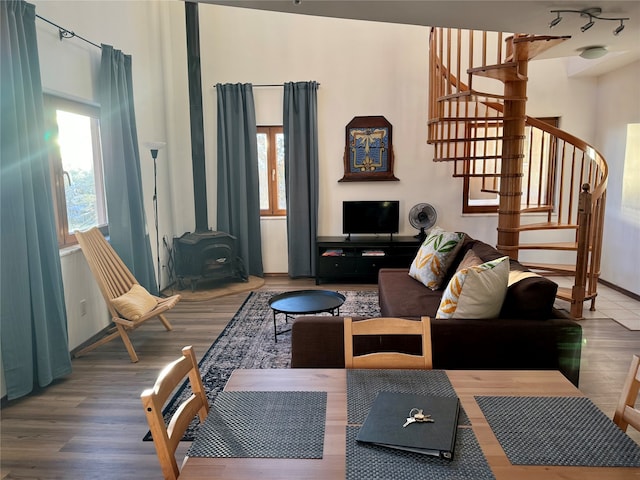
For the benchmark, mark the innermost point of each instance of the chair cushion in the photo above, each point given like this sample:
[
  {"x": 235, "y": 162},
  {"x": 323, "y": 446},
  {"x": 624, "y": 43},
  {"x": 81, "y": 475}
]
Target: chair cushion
[{"x": 135, "y": 303}]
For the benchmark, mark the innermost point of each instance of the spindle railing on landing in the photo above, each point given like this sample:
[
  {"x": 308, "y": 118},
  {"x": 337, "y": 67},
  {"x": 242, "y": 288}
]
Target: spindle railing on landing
[{"x": 481, "y": 125}]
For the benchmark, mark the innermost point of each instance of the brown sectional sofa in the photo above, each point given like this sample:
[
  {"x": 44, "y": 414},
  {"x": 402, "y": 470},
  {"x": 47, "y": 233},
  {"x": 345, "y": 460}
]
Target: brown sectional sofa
[{"x": 525, "y": 336}]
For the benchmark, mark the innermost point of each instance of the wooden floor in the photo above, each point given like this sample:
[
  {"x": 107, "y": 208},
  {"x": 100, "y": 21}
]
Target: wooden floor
[{"x": 90, "y": 425}]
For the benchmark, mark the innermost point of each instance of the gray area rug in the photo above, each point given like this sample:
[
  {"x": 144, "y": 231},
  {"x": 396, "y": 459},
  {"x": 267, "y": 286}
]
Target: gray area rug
[{"x": 247, "y": 342}]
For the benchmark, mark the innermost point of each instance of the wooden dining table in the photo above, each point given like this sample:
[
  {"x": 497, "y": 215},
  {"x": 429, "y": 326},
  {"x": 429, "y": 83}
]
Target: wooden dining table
[{"x": 468, "y": 384}]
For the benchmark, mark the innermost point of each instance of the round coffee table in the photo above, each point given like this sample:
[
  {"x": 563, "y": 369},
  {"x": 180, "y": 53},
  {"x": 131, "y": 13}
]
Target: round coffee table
[{"x": 304, "y": 302}]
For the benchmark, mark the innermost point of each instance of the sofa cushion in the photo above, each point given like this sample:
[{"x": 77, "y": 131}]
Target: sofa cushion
[
  {"x": 477, "y": 291},
  {"x": 435, "y": 257},
  {"x": 531, "y": 298},
  {"x": 402, "y": 296},
  {"x": 470, "y": 259}
]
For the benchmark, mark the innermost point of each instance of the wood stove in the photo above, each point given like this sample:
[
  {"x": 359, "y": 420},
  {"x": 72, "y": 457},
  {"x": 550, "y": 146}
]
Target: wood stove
[{"x": 206, "y": 255}]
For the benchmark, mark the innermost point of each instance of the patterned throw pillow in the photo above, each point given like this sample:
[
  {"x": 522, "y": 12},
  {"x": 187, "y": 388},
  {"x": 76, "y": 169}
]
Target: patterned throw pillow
[
  {"x": 435, "y": 256},
  {"x": 476, "y": 291},
  {"x": 135, "y": 303}
]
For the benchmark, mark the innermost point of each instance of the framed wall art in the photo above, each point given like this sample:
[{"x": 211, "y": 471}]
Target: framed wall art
[{"x": 368, "y": 152}]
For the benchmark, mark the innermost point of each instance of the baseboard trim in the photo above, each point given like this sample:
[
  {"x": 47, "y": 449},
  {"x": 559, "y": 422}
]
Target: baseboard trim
[{"x": 635, "y": 296}]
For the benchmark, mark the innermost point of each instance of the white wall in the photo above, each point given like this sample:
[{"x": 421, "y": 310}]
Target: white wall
[
  {"x": 618, "y": 104},
  {"x": 364, "y": 68}
]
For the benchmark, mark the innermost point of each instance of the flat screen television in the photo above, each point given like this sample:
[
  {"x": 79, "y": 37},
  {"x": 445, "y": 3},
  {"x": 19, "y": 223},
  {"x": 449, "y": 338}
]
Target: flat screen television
[{"x": 370, "y": 217}]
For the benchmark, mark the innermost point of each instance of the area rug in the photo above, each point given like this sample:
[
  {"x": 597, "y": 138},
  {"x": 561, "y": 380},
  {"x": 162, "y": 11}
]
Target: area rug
[{"x": 247, "y": 342}]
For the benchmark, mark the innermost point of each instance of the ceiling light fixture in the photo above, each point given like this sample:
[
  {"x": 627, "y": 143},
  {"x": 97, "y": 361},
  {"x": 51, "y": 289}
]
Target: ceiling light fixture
[
  {"x": 555, "y": 21},
  {"x": 591, "y": 53},
  {"x": 587, "y": 25},
  {"x": 592, "y": 14}
]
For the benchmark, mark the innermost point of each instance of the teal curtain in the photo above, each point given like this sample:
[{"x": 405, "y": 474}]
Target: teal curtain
[
  {"x": 128, "y": 232},
  {"x": 238, "y": 184},
  {"x": 33, "y": 318},
  {"x": 300, "y": 127}
]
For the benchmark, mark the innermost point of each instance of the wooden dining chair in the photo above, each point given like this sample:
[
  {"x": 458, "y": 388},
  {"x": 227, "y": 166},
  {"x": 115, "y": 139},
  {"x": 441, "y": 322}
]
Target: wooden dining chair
[
  {"x": 129, "y": 304},
  {"x": 166, "y": 438},
  {"x": 387, "y": 326},
  {"x": 626, "y": 412}
]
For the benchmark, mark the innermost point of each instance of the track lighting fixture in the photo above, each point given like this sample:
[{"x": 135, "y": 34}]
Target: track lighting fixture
[
  {"x": 592, "y": 14},
  {"x": 587, "y": 25},
  {"x": 555, "y": 21}
]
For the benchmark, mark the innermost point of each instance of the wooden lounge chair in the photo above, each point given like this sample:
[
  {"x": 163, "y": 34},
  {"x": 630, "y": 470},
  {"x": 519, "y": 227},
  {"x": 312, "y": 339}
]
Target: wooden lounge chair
[{"x": 115, "y": 281}]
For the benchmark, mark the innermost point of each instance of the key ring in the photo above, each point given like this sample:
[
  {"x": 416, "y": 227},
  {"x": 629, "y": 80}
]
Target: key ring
[{"x": 419, "y": 416}]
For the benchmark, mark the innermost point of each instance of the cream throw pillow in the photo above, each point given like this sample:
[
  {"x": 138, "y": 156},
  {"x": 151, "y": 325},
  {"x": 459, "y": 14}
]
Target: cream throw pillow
[
  {"x": 435, "y": 256},
  {"x": 135, "y": 303},
  {"x": 516, "y": 275},
  {"x": 476, "y": 291}
]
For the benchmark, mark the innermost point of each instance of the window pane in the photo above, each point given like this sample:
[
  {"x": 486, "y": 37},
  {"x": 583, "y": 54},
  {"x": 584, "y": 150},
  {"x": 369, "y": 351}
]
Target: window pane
[
  {"x": 282, "y": 198},
  {"x": 631, "y": 178},
  {"x": 76, "y": 151},
  {"x": 263, "y": 171}
]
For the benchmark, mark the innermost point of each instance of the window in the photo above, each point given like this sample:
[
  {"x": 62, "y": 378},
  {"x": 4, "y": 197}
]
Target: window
[
  {"x": 480, "y": 193},
  {"x": 631, "y": 177},
  {"x": 73, "y": 133},
  {"x": 273, "y": 200}
]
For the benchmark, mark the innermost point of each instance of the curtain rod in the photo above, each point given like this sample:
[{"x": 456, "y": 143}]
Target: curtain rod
[
  {"x": 268, "y": 85},
  {"x": 64, "y": 33}
]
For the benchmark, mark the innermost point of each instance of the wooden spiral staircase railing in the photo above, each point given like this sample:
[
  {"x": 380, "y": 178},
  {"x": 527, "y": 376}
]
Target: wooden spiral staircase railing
[{"x": 481, "y": 126}]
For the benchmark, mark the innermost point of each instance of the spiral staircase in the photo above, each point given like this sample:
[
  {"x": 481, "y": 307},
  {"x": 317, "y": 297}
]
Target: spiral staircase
[{"x": 551, "y": 186}]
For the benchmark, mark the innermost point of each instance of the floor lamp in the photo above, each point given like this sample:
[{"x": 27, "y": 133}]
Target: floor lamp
[{"x": 154, "y": 147}]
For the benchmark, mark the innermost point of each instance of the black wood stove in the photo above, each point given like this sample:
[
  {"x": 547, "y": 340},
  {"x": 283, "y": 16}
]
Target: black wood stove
[{"x": 206, "y": 255}]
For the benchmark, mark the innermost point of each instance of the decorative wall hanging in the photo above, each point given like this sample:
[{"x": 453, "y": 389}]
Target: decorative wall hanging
[{"x": 368, "y": 152}]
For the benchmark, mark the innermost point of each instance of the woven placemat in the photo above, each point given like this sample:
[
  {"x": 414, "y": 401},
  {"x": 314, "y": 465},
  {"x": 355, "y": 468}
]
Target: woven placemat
[
  {"x": 263, "y": 425},
  {"x": 366, "y": 462},
  {"x": 364, "y": 385},
  {"x": 569, "y": 431}
]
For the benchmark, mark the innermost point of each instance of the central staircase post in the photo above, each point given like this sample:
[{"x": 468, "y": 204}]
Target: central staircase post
[{"x": 515, "y": 93}]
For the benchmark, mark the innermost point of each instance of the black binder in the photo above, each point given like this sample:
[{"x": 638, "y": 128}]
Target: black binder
[{"x": 390, "y": 410}]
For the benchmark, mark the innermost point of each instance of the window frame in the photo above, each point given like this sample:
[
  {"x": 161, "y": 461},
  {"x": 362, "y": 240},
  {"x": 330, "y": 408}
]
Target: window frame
[
  {"x": 52, "y": 103},
  {"x": 272, "y": 170}
]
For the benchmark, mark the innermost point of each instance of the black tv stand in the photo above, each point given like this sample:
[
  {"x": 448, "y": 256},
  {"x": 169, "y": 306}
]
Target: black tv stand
[
  {"x": 348, "y": 238},
  {"x": 360, "y": 258}
]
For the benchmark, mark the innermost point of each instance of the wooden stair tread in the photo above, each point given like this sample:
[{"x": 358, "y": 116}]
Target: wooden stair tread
[
  {"x": 564, "y": 293},
  {"x": 549, "y": 246},
  {"x": 473, "y": 95},
  {"x": 506, "y": 72},
  {"x": 537, "y": 44},
  {"x": 551, "y": 267},
  {"x": 538, "y": 208},
  {"x": 547, "y": 226}
]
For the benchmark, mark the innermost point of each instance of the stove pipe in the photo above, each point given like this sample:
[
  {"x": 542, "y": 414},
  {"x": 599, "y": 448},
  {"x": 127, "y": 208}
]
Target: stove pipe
[{"x": 195, "y": 114}]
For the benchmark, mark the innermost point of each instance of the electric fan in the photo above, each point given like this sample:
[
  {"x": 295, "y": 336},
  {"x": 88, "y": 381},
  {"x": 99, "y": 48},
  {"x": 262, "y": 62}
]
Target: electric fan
[{"x": 422, "y": 216}]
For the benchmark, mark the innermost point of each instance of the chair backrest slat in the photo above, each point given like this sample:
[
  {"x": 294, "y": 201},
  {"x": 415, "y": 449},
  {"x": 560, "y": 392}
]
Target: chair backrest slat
[
  {"x": 112, "y": 275},
  {"x": 388, "y": 326}
]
